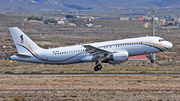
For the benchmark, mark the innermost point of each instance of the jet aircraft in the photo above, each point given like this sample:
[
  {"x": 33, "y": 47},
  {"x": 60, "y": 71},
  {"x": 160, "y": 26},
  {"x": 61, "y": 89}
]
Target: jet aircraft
[{"x": 112, "y": 52}]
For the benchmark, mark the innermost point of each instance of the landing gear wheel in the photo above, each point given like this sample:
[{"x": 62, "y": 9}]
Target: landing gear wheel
[
  {"x": 95, "y": 68},
  {"x": 152, "y": 61},
  {"x": 151, "y": 58},
  {"x": 99, "y": 67}
]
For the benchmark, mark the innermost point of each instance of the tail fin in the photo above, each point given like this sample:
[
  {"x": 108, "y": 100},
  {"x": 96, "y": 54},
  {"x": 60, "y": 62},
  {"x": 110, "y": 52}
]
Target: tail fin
[{"x": 22, "y": 42}]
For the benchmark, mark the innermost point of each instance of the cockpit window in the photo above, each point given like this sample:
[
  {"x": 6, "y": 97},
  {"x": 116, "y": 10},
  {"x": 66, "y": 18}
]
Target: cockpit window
[{"x": 161, "y": 40}]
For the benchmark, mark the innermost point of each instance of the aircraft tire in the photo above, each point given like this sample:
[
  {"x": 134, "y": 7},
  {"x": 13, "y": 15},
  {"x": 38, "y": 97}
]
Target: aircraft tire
[
  {"x": 152, "y": 61},
  {"x": 99, "y": 67},
  {"x": 95, "y": 68}
]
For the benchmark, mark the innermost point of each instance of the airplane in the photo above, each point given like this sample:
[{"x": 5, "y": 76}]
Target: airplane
[{"x": 112, "y": 52}]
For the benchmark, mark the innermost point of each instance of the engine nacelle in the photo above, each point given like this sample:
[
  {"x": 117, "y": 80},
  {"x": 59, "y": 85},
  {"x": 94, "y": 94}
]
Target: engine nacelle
[{"x": 120, "y": 56}]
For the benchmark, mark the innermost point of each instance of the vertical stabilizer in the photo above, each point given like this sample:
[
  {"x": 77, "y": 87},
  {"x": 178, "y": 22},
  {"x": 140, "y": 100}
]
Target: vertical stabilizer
[{"x": 22, "y": 42}]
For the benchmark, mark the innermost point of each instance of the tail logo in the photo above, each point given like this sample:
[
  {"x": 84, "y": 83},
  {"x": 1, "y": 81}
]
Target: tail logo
[{"x": 22, "y": 40}]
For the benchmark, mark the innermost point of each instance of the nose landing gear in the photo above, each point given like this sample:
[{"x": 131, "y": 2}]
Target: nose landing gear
[
  {"x": 152, "y": 61},
  {"x": 151, "y": 58}
]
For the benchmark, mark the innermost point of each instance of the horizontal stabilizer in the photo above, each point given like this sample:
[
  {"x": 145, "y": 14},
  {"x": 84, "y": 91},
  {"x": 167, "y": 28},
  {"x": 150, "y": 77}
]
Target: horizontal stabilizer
[{"x": 22, "y": 55}]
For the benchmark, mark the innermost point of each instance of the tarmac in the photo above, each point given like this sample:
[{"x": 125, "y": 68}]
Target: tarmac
[{"x": 93, "y": 74}]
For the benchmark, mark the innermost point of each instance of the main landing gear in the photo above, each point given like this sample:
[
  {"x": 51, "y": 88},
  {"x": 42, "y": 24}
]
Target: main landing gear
[
  {"x": 98, "y": 65},
  {"x": 151, "y": 58}
]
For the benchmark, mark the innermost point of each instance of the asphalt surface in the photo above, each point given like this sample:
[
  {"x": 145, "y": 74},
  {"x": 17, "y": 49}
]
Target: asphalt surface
[
  {"x": 102, "y": 90},
  {"x": 93, "y": 74}
]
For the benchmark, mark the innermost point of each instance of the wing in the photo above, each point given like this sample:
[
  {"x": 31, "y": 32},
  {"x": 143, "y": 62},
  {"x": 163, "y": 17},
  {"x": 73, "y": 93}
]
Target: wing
[{"x": 96, "y": 52}]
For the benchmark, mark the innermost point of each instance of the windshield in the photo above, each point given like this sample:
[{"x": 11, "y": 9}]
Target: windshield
[{"x": 161, "y": 40}]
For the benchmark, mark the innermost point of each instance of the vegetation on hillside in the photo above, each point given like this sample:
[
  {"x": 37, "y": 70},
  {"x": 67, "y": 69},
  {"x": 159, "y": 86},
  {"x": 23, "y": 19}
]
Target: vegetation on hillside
[
  {"x": 35, "y": 18},
  {"x": 47, "y": 21},
  {"x": 70, "y": 16},
  {"x": 170, "y": 24}
]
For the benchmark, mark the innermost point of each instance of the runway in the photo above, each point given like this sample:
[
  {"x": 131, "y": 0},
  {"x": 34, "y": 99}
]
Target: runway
[
  {"x": 93, "y": 74},
  {"x": 93, "y": 86}
]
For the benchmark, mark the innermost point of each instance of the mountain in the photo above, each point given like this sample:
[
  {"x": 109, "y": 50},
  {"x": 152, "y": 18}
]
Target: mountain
[
  {"x": 45, "y": 6},
  {"x": 165, "y": 3}
]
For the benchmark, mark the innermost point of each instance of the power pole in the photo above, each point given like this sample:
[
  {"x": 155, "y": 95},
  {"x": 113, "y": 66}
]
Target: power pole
[
  {"x": 153, "y": 15},
  {"x": 166, "y": 55}
]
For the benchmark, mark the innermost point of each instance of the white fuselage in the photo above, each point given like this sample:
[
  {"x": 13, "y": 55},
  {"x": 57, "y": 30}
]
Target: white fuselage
[{"x": 75, "y": 54}]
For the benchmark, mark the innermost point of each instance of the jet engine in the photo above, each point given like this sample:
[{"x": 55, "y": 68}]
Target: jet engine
[{"x": 118, "y": 57}]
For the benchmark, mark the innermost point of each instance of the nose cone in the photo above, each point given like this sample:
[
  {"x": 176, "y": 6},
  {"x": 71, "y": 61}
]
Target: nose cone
[{"x": 169, "y": 45}]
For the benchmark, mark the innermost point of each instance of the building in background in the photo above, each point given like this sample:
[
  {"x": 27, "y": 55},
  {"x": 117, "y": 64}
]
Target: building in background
[
  {"x": 146, "y": 18},
  {"x": 123, "y": 18},
  {"x": 148, "y": 25},
  {"x": 133, "y": 18},
  {"x": 177, "y": 19},
  {"x": 89, "y": 25},
  {"x": 72, "y": 24},
  {"x": 140, "y": 18},
  {"x": 161, "y": 22},
  {"x": 61, "y": 22}
]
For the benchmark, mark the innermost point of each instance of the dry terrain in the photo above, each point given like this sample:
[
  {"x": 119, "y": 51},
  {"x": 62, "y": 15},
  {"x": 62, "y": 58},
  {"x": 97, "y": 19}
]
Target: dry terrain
[
  {"x": 87, "y": 88},
  {"x": 49, "y": 36},
  {"x": 91, "y": 88},
  {"x": 126, "y": 67}
]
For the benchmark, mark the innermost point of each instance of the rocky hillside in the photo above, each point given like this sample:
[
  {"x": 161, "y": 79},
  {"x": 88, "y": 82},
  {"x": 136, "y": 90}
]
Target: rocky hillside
[{"x": 53, "y": 6}]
